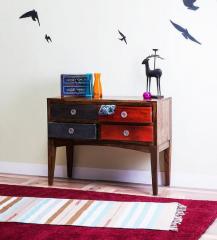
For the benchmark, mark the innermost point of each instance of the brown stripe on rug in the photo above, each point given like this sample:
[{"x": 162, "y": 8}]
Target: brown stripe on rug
[
  {"x": 55, "y": 215},
  {"x": 10, "y": 205},
  {"x": 78, "y": 214},
  {"x": 5, "y": 200}
]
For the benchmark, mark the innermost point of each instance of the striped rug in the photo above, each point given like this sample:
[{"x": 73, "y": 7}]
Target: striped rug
[{"x": 92, "y": 213}]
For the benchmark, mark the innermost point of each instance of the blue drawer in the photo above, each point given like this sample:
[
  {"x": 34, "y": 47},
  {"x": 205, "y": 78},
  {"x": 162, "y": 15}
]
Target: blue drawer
[{"x": 72, "y": 131}]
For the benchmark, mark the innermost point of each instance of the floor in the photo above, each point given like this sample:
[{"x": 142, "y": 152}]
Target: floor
[{"x": 114, "y": 187}]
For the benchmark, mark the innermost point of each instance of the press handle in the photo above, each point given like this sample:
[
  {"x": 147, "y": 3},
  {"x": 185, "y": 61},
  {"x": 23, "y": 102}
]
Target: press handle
[
  {"x": 126, "y": 133},
  {"x": 124, "y": 114},
  {"x": 71, "y": 131},
  {"x": 73, "y": 112}
]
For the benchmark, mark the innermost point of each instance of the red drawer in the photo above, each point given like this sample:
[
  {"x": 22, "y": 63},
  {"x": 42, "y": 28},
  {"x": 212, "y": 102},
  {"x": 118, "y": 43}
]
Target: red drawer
[
  {"x": 127, "y": 133},
  {"x": 129, "y": 114}
]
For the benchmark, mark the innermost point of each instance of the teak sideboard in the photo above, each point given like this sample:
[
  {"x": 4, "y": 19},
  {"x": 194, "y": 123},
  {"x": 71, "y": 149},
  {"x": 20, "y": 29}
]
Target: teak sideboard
[{"x": 136, "y": 124}]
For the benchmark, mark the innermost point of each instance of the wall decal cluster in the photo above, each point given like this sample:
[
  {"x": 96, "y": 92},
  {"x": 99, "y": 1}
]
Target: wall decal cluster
[
  {"x": 190, "y": 5},
  {"x": 34, "y": 15}
]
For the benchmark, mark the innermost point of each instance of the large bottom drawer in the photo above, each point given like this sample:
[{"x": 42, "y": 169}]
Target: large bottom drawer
[
  {"x": 127, "y": 133},
  {"x": 71, "y": 131}
]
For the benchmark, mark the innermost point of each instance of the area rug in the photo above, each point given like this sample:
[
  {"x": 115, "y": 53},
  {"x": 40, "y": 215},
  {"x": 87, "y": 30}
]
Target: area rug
[
  {"x": 199, "y": 216},
  {"x": 92, "y": 213}
]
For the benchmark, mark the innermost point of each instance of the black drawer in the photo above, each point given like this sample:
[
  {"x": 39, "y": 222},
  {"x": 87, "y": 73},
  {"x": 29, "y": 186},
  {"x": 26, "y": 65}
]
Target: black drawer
[
  {"x": 71, "y": 131},
  {"x": 67, "y": 112}
]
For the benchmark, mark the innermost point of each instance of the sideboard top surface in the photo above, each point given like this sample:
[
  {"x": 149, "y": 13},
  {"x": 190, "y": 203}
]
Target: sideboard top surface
[{"x": 127, "y": 99}]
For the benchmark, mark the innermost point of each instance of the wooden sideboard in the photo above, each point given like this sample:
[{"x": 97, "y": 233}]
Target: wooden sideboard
[{"x": 136, "y": 124}]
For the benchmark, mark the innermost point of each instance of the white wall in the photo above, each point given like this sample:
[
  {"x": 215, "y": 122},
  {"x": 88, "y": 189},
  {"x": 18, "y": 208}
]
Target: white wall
[{"x": 84, "y": 34}]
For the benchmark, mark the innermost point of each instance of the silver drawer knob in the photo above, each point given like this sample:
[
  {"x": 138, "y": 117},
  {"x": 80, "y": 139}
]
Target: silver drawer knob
[
  {"x": 126, "y": 133},
  {"x": 73, "y": 112},
  {"x": 71, "y": 131},
  {"x": 124, "y": 114}
]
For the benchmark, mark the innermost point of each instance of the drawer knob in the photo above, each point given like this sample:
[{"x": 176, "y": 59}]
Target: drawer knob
[
  {"x": 71, "y": 131},
  {"x": 73, "y": 112},
  {"x": 126, "y": 133},
  {"x": 124, "y": 114}
]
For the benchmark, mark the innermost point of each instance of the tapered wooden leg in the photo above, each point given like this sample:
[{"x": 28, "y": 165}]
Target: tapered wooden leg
[
  {"x": 69, "y": 156},
  {"x": 51, "y": 160},
  {"x": 167, "y": 165},
  {"x": 154, "y": 169}
]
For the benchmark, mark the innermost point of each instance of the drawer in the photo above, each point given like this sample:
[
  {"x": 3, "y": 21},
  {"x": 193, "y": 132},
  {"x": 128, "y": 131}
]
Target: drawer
[
  {"x": 67, "y": 112},
  {"x": 129, "y": 114},
  {"x": 127, "y": 133},
  {"x": 71, "y": 131}
]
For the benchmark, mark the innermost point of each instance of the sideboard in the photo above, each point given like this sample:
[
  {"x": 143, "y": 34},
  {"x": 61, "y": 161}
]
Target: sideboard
[{"x": 136, "y": 124}]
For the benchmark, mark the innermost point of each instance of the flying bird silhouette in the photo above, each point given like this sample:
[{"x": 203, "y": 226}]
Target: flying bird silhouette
[
  {"x": 48, "y": 38},
  {"x": 123, "y": 37},
  {"x": 33, "y": 14},
  {"x": 190, "y": 4},
  {"x": 184, "y": 32}
]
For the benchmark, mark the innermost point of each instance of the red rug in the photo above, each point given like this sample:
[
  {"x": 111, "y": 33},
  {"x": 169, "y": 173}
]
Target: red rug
[{"x": 199, "y": 216}]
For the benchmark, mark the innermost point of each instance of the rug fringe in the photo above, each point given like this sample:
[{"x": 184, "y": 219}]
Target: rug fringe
[{"x": 180, "y": 212}]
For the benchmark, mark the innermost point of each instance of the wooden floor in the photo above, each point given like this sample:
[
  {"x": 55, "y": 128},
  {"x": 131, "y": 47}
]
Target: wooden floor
[{"x": 114, "y": 187}]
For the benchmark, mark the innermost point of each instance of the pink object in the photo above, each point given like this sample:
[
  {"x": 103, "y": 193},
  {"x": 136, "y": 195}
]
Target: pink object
[{"x": 147, "y": 95}]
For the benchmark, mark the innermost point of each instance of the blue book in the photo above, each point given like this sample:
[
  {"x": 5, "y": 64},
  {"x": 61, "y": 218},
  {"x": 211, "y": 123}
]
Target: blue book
[{"x": 77, "y": 85}]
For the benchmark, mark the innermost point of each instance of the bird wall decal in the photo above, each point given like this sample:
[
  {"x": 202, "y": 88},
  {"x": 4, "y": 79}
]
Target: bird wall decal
[
  {"x": 190, "y": 4},
  {"x": 48, "y": 38},
  {"x": 123, "y": 37},
  {"x": 33, "y": 14},
  {"x": 184, "y": 32}
]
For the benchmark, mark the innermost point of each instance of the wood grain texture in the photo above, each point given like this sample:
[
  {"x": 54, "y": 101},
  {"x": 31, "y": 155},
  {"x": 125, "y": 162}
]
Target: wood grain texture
[
  {"x": 154, "y": 169},
  {"x": 137, "y": 146},
  {"x": 146, "y": 127},
  {"x": 164, "y": 120},
  {"x": 122, "y": 101},
  {"x": 69, "y": 159},
  {"x": 167, "y": 164},
  {"x": 51, "y": 160}
]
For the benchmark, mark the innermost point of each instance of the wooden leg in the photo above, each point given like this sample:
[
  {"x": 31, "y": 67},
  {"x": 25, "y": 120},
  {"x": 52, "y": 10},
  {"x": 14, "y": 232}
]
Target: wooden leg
[
  {"x": 154, "y": 169},
  {"x": 167, "y": 165},
  {"x": 69, "y": 156},
  {"x": 51, "y": 160}
]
